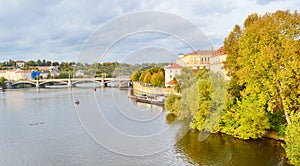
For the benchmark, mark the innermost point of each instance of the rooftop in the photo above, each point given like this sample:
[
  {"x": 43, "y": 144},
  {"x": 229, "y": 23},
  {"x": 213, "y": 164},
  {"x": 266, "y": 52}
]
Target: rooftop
[
  {"x": 172, "y": 82},
  {"x": 20, "y": 61},
  {"x": 220, "y": 51},
  {"x": 174, "y": 66},
  {"x": 201, "y": 52}
]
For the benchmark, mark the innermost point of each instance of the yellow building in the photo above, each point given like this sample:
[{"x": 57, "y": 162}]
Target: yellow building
[{"x": 196, "y": 60}]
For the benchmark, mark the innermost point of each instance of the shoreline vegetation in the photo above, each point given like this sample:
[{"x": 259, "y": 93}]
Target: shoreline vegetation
[
  {"x": 261, "y": 99},
  {"x": 139, "y": 88}
]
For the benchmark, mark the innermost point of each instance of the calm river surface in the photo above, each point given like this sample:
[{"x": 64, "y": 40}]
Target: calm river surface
[{"x": 44, "y": 127}]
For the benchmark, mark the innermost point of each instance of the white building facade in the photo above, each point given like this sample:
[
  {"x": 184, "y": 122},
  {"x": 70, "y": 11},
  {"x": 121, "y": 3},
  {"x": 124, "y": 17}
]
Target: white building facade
[
  {"x": 217, "y": 62},
  {"x": 16, "y": 74},
  {"x": 170, "y": 73},
  {"x": 20, "y": 63}
]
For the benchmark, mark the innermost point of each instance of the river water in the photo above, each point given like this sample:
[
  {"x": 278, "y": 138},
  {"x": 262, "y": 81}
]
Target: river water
[{"x": 45, "y": 127}]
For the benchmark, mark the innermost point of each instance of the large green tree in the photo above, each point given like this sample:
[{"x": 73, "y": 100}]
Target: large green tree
[
  {"x": 201, "y": 99},
  {"x": 232, "y": 48},
  {"x": 269, "y": 58},
  {"x": 263, "y": 63}
]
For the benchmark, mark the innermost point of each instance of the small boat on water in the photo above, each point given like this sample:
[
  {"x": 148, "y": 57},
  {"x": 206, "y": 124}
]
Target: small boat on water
[
  {"x": 76, "y": 102},
  {"x": 151, "y": 99}
]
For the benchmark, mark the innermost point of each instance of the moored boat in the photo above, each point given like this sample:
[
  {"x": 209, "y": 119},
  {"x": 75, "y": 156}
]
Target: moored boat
[{"x": 151, "y": 99}]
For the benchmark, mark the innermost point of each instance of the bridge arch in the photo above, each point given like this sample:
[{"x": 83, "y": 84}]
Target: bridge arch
[
  {"x": 85, "y": 81},
  {"x": 56, "y": 81},
  {"x": 23, "y": 82}
]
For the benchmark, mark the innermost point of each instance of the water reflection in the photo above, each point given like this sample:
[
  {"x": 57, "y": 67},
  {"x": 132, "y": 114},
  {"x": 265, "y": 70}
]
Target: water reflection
[
  {"x": 40, "y": 127},
  {"x": 220, "y": 149}
]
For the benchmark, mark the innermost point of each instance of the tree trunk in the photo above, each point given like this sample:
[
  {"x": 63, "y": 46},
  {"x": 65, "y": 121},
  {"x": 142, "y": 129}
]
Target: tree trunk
[{"x": 287, "y": 117}]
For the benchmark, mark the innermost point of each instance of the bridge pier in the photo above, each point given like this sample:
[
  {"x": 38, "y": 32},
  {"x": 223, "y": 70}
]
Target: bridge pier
[
  {"x": 37, "y": 84},
  {"x": 102, "y": 82},
  {"x": 69, "y": 82},
  {"x": 9, "y": 85}
]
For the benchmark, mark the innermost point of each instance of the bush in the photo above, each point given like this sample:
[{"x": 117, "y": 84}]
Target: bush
[
  {"x": 292, "y": 140},
  {"x": 173, "y": 104}
]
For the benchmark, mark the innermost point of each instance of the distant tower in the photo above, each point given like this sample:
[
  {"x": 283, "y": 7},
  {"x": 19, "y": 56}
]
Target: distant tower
[{"x": 180, "y": 55}]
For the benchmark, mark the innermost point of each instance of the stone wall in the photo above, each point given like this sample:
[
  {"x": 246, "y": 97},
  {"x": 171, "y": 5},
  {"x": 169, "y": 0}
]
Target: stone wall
[{"x": 138, "y": 88}]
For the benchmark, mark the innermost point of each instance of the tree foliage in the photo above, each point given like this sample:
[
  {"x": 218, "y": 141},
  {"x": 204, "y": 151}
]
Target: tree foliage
[
  {"x": 247, "y": 119},
  {"x": 231, "y": 66},
  {"x": 270, "y": 60},
  {"x": 264, "y": 89},
  {"x": 2, "y": 83},
  {"x": 204, "y": 99},
  {"x": 172, "y": 103},
  {"x": 154, "y": 76},
  {"x": 64, "y": 74},
  {"x": 263, "y": 63},
  {"x": 158, "y": 79},
  {"x": 136, "y": 75},
  {"x": 197, "y": 103},
  {"x": 292, "y": 140}
]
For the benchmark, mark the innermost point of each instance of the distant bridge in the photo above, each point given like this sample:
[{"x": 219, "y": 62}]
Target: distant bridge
[{"x": 69, "y": 82}]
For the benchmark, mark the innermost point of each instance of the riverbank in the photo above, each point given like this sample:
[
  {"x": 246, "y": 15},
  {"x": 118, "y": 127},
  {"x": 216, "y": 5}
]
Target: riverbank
[
  {"x": 270, "y": 134},
  {"x": 139, "y": 88},
  {"x": 274, "y": 135}
]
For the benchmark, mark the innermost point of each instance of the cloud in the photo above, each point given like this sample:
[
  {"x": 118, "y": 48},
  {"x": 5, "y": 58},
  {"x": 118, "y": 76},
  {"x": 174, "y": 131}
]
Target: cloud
[
  {"x": 142, "y": 29},
  {"x": 56, "y": 30}
]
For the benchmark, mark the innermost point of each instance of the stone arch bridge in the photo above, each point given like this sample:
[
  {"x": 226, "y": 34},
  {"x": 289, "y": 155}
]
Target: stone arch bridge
[{"x": 69, "y": 82}]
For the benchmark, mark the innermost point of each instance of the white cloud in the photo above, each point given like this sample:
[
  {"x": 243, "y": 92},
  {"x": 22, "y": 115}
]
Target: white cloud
[{"x": 56, "y": 30}]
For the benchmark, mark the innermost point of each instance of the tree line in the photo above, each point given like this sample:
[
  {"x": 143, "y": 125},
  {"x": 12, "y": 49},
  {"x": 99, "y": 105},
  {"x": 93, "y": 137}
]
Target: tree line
[
  {"x": 154, "y": 76},
  {"x": 12, "y": 63},
  {"x": 107, "y": 69}
]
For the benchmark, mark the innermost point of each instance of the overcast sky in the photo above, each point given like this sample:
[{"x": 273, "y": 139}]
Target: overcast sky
[{"x": 57, "y": 30}]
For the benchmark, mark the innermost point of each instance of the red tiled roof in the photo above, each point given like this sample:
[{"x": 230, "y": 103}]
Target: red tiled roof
[
  {"x": 174, "y": 66},
  {"x": 20, "y": 61},
  {"x": 43, "y": 67},
  {"x": 195, "y": 70},
  {"x": 202, "y": 52},
  {"x": 220, "y": 51},
  {"x": 171, "y": 82},
  {"x": 2, "y": 71}
]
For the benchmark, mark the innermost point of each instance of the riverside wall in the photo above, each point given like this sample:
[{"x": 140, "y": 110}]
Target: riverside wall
[{"x": 138, "y": 88}]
